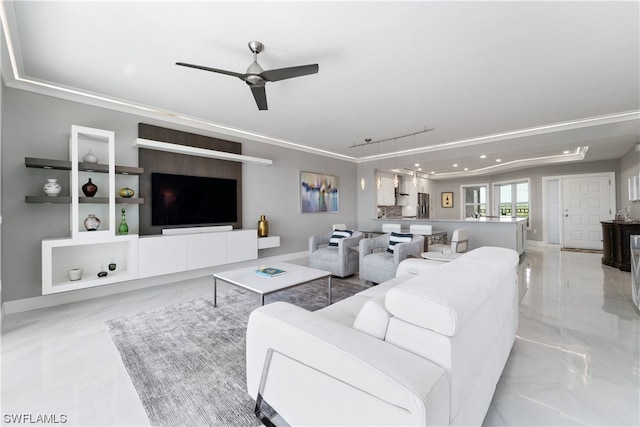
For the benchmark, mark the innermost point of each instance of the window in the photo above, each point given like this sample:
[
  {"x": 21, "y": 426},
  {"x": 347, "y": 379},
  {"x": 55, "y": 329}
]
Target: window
[
  {"x": 512, "y": 199},
  {"x": 474, "y": 200}
]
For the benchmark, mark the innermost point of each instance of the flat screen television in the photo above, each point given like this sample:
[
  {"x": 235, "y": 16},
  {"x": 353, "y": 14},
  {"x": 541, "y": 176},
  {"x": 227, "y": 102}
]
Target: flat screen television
[{"x": 192, "y": 200}]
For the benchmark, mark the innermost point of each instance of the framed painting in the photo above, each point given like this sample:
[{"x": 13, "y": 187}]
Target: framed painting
[
  {"x": 447, "y": 199},
  {"x": 319, "y": 193}
]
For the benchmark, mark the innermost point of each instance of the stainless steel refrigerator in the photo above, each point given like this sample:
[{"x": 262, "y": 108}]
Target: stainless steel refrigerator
[{"x": 422, "y": 210}]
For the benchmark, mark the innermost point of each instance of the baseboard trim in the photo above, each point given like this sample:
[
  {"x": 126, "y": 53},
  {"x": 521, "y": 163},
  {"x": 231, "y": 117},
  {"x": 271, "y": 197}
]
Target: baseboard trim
[
  {"x": 541, "y": 244},
  {"x": 44, "y": 301}
]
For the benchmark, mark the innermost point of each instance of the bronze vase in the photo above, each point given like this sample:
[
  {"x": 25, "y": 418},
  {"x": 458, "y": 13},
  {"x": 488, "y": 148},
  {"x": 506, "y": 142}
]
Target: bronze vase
[{"x": 263, "y": 227}]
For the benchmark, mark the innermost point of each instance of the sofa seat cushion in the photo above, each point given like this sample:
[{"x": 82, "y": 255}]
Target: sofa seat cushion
[{"x": 445, "y": 299}]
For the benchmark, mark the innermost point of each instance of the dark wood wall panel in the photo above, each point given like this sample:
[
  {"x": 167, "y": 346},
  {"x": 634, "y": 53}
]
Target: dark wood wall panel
[{"x": 181, "y": 164}]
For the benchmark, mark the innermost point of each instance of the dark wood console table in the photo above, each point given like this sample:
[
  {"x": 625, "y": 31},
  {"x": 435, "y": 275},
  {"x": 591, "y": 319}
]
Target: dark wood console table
[{"x": 616, "y": 251}]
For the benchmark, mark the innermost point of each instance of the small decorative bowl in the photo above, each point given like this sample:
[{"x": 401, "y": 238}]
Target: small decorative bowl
[{"x": 75, "y": 274}]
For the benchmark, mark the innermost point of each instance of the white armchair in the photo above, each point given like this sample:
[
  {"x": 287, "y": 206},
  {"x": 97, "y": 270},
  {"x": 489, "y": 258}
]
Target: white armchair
[
  {"x": 377, "y": 265},
  {"x": 459, "y": 243},
  {"x": 340, "y": 260}
]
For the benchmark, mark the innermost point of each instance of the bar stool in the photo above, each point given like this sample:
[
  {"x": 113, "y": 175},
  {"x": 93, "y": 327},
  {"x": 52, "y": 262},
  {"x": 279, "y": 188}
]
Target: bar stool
[{"x": 388, "y": 228}]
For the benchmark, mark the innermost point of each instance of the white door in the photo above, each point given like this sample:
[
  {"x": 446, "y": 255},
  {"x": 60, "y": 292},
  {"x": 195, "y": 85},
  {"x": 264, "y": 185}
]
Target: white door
[{"x": 585, "y": 202}]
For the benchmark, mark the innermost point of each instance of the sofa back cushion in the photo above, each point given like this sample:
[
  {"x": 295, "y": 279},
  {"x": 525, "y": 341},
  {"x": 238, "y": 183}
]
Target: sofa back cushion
[{"x": 444, "y": 299}]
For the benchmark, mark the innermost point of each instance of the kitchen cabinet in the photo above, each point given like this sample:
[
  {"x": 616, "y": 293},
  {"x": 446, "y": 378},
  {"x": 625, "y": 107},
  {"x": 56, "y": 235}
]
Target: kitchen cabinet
[{"x": 386, "y": 192}]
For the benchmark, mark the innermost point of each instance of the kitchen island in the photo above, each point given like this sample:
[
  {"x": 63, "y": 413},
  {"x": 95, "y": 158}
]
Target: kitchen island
[{"x": 501, "y": 232}]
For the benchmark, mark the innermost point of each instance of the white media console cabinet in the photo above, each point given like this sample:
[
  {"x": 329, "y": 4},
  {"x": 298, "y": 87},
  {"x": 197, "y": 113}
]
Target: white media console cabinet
[{"x": 138, "y": 257}]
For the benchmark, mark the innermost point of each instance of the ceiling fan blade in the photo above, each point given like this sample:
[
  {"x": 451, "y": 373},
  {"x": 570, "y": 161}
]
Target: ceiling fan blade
[
  {"x": 289, "y": 73},
  {"x": 260, "y": 95},
  {"x": 214, "y": 70}
]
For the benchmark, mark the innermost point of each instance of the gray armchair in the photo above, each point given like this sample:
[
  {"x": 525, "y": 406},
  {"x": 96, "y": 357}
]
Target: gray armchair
[
  {"x": 377, "y": 265},
  {"x": 341, "y": 261}
]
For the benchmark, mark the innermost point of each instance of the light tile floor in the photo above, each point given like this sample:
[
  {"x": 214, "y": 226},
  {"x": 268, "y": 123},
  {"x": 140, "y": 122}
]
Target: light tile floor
[{"x": 576, "y": 359}]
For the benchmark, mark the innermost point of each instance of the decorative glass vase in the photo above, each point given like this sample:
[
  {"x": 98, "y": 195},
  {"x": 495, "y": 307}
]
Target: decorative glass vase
[
  {"x": 52, "y": 188},
  {"x": 89, "y": 189},
  {"x": 91, "y": 222},
  {"x": 263, "y": 227},
  {"x": 123, "y": 228}
]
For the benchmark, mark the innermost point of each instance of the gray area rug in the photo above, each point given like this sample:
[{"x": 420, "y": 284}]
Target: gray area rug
[{"x": 187, "y": 361}]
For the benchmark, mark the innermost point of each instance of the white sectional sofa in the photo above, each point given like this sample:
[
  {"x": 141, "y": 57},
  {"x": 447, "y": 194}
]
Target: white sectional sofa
[{"x": 425, "y": 348}]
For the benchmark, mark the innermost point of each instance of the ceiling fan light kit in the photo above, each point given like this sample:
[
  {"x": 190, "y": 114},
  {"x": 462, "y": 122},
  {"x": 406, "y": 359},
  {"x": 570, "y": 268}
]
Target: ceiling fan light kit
[{"x": 256, "y": 77}]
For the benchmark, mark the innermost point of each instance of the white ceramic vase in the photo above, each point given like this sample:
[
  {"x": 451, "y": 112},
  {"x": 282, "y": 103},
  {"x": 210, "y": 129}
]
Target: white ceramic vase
[
  {"x": 52, "y": 188},
  {"x": 75, "y": 274},
  {"x": 90, "y": 157}
]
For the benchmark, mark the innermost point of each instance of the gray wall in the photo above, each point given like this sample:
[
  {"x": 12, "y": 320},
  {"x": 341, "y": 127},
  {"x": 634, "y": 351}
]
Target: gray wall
[
  {"x": 39, "y": 126},
  {"x": 629, "y": 166}
]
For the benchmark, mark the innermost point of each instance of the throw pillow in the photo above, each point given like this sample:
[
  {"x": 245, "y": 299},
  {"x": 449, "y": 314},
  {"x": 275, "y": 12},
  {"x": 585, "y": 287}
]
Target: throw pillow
[
  {"x": 337, "y": 235},
  {"x": 398, "y": 238}
]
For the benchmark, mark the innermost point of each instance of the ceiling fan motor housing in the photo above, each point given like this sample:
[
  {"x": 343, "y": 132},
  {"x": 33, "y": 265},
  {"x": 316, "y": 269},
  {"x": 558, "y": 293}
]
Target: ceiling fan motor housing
[{"x": 253, "y": 74}]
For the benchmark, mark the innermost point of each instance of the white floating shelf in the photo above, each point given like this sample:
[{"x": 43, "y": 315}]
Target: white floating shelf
[
  {"x": 199, "y": 152},
  {"x": 268, "y": 242}
]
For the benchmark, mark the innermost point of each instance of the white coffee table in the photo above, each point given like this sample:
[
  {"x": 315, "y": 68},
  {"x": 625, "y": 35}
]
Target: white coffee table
[
  {"x": 439, "y": 256},
  {"x": 247, "y": 278}
]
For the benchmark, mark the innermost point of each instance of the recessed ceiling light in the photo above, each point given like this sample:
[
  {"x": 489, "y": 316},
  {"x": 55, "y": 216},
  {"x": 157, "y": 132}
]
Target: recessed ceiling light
[
  {"x": 466, "y": 169},
  {"x": 566, "y": 152},
  {"x": 417, "y": 164},
  {"x": 420, "y": 169},
  {"x": 483, "y": 156},
  {"x": 498, "y": 160},
  {"x": 455, "y": 165},
  {"x": 433, "y": 172}
]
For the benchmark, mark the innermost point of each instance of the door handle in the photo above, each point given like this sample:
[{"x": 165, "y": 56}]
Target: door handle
[{"x": 566, "y": 215}]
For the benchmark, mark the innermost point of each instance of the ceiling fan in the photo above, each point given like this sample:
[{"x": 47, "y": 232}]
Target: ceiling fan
[{"x": 256, "y": 77}]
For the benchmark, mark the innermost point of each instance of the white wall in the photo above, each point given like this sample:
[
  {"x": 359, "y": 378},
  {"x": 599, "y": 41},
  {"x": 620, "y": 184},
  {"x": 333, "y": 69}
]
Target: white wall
[{"x": 39, "y": 126}]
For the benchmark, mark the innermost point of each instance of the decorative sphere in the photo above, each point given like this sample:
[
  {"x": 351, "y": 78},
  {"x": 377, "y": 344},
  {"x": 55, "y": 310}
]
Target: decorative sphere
[{"x": 126, "y": 192}]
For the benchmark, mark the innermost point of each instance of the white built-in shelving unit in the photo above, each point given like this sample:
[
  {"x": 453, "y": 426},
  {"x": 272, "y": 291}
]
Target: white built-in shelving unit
[
  {"x": 102, "y": 144},
  {"x": 134, "y": 257},
  {"x": 91, "y": 251},
  {"x": 92, "y": 256}
]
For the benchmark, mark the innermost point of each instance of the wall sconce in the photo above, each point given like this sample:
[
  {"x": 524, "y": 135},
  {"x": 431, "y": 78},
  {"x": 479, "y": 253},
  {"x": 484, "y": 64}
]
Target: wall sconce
[
  {"x": 634, "y": 188},
  {"x": 363, "y": 184}
]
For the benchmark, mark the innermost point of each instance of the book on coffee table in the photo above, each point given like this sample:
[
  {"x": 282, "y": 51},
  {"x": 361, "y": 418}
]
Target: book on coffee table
[{"x": 270, "y": 271}]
